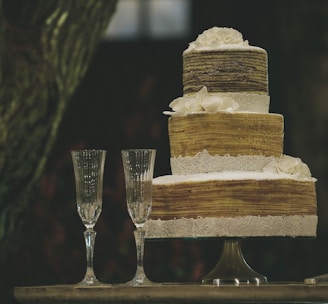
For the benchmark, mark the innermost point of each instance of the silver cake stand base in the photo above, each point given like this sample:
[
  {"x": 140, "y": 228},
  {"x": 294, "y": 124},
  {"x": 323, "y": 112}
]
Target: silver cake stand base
[
  {"x": 232, "y": 268},
  {"x": 320, "y": 279}
]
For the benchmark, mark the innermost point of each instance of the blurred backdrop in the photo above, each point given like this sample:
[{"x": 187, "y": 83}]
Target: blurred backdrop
[{"x": 136, "y": 73}]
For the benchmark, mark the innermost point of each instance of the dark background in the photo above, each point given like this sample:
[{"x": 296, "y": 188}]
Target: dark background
[{"x": 119, "y": 105}]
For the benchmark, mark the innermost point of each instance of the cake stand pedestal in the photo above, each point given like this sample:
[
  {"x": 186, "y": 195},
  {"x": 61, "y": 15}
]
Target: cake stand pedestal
[{"x": 232, "y": 268}]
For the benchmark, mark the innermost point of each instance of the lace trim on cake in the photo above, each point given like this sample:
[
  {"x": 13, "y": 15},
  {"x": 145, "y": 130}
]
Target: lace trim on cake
[
  {"x": 248, "y": 226},
  {"x": 203, "y": 162}
]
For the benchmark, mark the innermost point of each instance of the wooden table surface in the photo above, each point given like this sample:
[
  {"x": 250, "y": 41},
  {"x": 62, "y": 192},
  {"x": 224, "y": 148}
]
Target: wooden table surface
[{"x": 174, "y": 293}]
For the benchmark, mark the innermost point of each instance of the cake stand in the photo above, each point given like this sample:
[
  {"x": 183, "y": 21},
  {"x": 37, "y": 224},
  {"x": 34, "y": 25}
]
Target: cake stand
[{"x": 232, "y": 268}]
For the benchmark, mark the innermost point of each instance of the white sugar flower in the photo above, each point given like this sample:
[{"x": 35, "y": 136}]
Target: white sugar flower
[
  {"x": 218, "y": 36},
  {"x": 202, "y": 101},
  {"x": 289, "y": 165}
]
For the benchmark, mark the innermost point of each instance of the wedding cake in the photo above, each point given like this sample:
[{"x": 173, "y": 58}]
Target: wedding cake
[{"x": 230, "y": 177}]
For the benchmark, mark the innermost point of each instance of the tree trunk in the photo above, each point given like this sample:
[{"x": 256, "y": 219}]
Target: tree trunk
[{"x": 45, "y": 50}]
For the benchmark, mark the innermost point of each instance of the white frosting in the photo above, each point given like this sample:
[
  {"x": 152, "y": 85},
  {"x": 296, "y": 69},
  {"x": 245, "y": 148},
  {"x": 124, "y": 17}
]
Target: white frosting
[
  {"x": 204, "y": 102},
  {"x": 246, "y": 166},
  {"x": 226, "y": 175},
  {"x": 255, "y": 226},
  {"x": 257, "y": 103}
]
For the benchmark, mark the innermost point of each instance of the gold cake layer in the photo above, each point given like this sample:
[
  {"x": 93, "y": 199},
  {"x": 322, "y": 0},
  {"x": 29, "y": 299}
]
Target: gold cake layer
[
  {"x": 233, "y": 198},
  {"x": 242, "y": 70},
  {"x": 226, "y": 133}
]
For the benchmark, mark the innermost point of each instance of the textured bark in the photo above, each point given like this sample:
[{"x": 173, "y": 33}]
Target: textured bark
[{"x": 45, "y": 50}]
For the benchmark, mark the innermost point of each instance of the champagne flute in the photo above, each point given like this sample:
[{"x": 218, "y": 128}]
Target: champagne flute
[
  {"x": 138, "y": 167},
  {"x": 88, "y": 170}
]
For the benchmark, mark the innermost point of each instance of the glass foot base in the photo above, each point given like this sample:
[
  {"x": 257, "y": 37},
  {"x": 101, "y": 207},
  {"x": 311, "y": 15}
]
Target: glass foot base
[
  {"x": 90, "y": 279},
  {"x": 88, "y": 282},
  {"x": 232, "y": 268},
  {"x": 137, "y": 281}
]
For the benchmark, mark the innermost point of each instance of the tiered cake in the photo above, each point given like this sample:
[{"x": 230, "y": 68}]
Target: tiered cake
[{"x": 229, "y": 175}]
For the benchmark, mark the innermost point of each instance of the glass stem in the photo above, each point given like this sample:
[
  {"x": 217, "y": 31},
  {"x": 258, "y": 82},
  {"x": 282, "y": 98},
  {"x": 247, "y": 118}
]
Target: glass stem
[
  {"x": 89, "y": 237},
  {"x": 139, "y": 235}
]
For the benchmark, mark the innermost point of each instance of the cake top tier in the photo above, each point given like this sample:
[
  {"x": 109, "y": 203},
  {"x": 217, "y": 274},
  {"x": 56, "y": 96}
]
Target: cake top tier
[
  {"x": 222, "y": 61},
  {"x": 219, "y": 38}
]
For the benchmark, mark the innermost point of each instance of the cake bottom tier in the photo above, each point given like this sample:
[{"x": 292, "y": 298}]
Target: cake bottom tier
[{"x": 217, "y": 205}]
